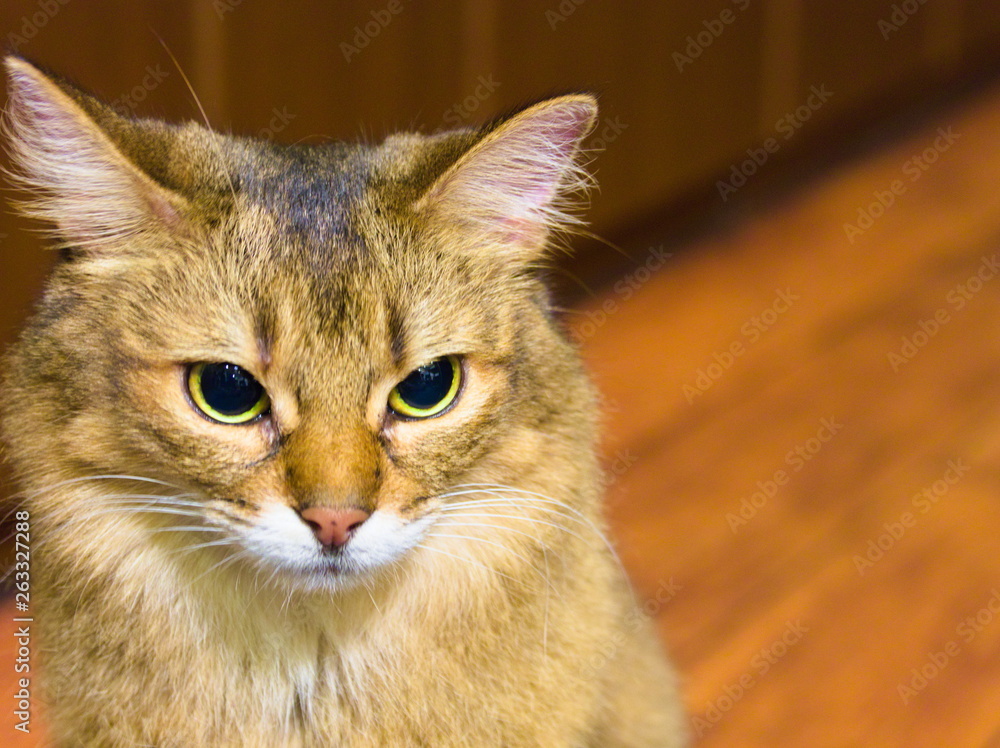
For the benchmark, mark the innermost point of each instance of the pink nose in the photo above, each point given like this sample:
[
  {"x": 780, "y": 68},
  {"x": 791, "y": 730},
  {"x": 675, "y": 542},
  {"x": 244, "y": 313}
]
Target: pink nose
[{"x": 333, "y": 527}]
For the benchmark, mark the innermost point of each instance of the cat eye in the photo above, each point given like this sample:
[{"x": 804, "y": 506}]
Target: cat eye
[
  {"x": 227, "y": 393},
  {"x": 429, "y": 390}
]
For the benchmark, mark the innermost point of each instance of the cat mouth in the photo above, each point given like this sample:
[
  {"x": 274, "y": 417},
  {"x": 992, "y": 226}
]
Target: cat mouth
[
  {"x": 329, "y": 573},
  {"x": 278, "y": 539},
  {"x": 333, "y": 563}
]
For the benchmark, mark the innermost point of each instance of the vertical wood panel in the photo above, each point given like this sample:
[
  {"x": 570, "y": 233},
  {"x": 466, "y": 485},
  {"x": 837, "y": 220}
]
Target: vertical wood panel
[
  {"x": 479, "y": 40},
  {"x": 981, "y": 26},
  {"x": 781, "y": 61},
  {"x": 943, "y": 35},
  {"x": 846, "y": 50},
  {"x": 208, "y": 72}
]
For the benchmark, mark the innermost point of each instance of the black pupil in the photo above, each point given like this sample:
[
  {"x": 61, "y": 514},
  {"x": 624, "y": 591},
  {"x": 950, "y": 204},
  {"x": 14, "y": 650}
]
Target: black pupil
[
  {"x": 229, "y": 389},
  {"x": 427, "y": 386}
]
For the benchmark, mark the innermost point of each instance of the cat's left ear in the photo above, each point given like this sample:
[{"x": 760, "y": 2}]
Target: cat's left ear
[
  {"x": 77, "y": 176},
  {"x": 516, "y": 185}
]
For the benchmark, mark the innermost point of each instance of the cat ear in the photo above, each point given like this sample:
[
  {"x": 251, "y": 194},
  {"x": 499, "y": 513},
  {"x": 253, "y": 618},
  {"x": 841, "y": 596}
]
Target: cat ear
[
  {"x": 78, "y": 179},
  {"x": 515, "y": 185}
]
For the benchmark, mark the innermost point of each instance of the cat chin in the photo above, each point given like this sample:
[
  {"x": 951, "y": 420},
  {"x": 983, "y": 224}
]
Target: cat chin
[{"x": 327, "y": 580}]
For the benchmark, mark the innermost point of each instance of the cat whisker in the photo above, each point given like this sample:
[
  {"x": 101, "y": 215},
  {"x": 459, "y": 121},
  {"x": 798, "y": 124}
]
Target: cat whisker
[
  {"x": 497, "y": 489},
  {"x": 204, "y": 116},
  {"x": 449, "y": 523},
  {"x": 547, "y": 576},
  {"x": 371, "y": 595},
  {"x": 123, "y": 503},
  {"x": 524, "y": 506},
  {"x": 208, "y": 544},
  {"x": 502, "y": 492},
  {"x": 459, "y": 510},
  {"x": 86, "y": 478},
  {"x": 228, "y": 559},
  {"x": 286, "y": 601},
  {"x": 188, "y": 528},
  {"x": 126, "y": 509},
  {"x": 153, "y": 500},
  {"x": 270, "y": 579},
  {"x": 468, "y": 560},
  {"x": 501, "y": 546}
]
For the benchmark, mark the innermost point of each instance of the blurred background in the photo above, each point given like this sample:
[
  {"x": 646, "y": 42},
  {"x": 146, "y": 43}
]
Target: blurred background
[{"x": 788, "y": 309}]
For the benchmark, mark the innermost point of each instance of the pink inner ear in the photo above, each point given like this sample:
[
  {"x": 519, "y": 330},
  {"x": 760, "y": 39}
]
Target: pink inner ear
[
  {"x": 520, "y": 231},
  {"x": 80, "y": 180},
  {"x": 510, "y": 188},
  {"x": 160, "y": 207}
]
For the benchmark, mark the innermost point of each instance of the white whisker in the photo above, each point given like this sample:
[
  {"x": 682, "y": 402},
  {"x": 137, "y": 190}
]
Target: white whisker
[
  {"x": 457, "y": 510},
  {"x": 476, "y": 539},
  {"x": 85, "y": 478},
  {"x": 521, "y": 498},
  {"x": 209, "y": 544},
  {"x": 188, "y": 528},
  {"x": 466, "y": 559}
]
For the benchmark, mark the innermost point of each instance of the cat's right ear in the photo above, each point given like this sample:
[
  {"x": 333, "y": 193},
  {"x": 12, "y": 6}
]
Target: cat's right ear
[
  {"x": 519, "y": 182},
  {"x": 77, "y": 178}
]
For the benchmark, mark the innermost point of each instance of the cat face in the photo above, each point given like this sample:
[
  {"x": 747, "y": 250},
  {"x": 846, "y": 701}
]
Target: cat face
[
  {"x": 307, "y": 353},
  {"x": 374, "y": 387}
]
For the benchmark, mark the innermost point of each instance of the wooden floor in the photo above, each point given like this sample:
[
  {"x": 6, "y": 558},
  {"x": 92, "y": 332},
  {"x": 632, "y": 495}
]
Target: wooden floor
[
  {"x": 804, "y": 428},
  {"x": 804, "y": 608}
]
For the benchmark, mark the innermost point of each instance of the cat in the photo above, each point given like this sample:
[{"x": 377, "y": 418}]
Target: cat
[{"x": 308, "y": 458}]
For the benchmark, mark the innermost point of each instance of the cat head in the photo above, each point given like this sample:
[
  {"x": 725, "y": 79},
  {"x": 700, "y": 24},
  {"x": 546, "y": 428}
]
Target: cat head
[{"x": 311, "y": 350}]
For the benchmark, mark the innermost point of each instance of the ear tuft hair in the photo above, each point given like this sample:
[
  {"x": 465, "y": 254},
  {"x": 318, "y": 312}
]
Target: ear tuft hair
[
  {"x": 521, "y": 181},
  {"x": 77, "y": 178}
]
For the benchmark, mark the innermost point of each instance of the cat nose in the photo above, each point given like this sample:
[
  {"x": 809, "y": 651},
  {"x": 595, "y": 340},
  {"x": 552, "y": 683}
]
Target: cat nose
[{"x": 333, "y": 527}]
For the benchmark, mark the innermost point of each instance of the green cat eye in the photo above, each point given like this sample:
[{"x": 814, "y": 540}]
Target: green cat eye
[
  {"x": 429, "y": 390},
  {"x": 227, "y": 393}
]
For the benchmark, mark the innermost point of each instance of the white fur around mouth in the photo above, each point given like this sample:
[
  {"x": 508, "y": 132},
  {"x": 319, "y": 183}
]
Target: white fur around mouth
[{"x": 279, "y": 538}]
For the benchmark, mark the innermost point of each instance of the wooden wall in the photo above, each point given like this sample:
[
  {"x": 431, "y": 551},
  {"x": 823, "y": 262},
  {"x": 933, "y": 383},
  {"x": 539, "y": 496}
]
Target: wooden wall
[{"x": 686, "y": 87}]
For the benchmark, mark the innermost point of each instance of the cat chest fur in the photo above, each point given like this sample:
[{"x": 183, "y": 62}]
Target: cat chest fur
[{"x": 221, "y": 665}]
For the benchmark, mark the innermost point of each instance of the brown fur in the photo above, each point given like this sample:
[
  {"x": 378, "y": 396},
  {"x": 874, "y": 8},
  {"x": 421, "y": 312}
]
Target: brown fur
[{"x": 329, "y": 273}]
